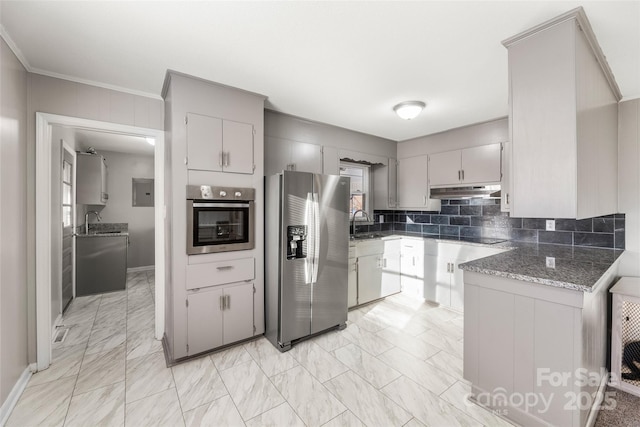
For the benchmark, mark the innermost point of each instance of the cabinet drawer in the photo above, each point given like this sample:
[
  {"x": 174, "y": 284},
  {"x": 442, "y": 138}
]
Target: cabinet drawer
[{"x": 221, "y": 272}]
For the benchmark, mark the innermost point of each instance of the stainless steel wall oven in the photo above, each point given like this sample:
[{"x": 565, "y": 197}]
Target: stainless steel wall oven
[{"x": 219, "y": 219}]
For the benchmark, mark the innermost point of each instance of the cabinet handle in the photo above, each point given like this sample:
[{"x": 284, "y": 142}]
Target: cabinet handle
[
  {"x": 224, "y": 267},
  {"x": 413, "y": 260},
  {"x": 228, "y": 298},
  {"x": 424, "y": 200},
  {"x": 463, "y": 174},
  {"x": 507, "y": 198},
  {"x": 220, "y": 162},
  {"x": 459, "y": 179},
  {"x": 226, "y": 156},
  {"x": 221, "y": 303},
  {"x": 384, "y": 263}
]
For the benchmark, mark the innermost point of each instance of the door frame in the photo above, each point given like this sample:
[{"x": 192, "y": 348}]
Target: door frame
[{"x": 44, "y": 227}]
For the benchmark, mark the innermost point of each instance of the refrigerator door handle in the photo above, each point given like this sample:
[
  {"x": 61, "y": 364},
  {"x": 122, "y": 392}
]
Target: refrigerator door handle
[{"x": 316, "y": 238}]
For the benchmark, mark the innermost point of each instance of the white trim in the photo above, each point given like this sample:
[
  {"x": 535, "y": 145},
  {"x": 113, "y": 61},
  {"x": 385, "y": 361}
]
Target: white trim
[
  {"x": 43, "y": 228},
  {"x": 143, "y": 268},
  {"x": 15, "y": 49},
  {"x": 17, "y": 390}
]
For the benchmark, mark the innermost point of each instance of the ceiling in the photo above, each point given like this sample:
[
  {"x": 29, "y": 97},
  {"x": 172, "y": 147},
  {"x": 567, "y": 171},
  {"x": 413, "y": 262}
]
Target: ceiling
[
  {"x": 106, "y": 141},
  {"x": 345, "y": 63}
]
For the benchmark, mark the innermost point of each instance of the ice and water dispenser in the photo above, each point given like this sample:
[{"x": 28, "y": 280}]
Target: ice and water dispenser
[{"x": 296, "y": 241}]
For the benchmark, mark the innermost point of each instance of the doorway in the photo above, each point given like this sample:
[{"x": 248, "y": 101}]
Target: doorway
[
  {"x": 45, "y": 227},
  {"x": 68, "y": 225}
]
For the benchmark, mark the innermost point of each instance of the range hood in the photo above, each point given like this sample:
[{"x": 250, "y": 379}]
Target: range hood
[{"x": 477, "y": 191}]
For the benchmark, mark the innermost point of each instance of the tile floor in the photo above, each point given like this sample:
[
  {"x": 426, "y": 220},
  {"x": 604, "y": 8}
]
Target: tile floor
[{"x": 398, "y": 363}]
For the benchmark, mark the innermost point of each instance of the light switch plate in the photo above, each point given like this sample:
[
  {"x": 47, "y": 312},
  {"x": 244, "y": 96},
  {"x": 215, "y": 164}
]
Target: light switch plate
[
  {"x": 381, "y": 219},
  {"x": 551, "y": 262},
  {"x": 551, "y": 225}
]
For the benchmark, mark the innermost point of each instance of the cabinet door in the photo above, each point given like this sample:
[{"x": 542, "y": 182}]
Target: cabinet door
[
  {"x": 306, "y": 157},
  {"x": 204, "y": 142},
  {"x": 412, "y": 182},
  {"x": 352, "y": 283},
  {"x": 330, "y": 161},
  {"x": 481, "y": 164},
  {"x": 457, "y": 286},
  {"x": 430, "y": 277},
  {"x": 277, "y": 155},
  {"x": 369, "y": 278},
  {"x": 444, "y": 168},
  {"x": 237, "y": 142},
  {"x": 443, "y": 281},
  {"x": 238, "y": 313},
  {"x": 412, "y": 269},
  {"x": 391, "y": 267},
  {"x": 204, "y": 321}
]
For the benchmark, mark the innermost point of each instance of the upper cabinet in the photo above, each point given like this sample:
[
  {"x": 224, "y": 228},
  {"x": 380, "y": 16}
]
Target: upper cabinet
[
  {"x": 385, "y": 185},
  {"x": 282, "y": 154},
  {"x": 214, "y": 144},
  {"x": 563, "y": 122},
  {"x": 469, "y": 166},
  {"x": 413, "y": 187},
  {"x": 91, "y": 185}
]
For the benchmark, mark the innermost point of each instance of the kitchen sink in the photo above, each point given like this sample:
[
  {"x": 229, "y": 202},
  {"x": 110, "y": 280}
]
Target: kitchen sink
[{"x": 364, "y": 236}]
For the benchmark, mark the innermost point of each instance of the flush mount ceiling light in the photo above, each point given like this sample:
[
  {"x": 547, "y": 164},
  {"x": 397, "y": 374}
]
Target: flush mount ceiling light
[{"x": 409, "y": 109}]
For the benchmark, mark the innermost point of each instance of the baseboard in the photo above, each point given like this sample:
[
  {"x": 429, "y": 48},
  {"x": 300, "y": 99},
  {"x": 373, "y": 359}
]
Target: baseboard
[
  {"x": 143, "y": 268},
  {"x": 597, "y": 402},
  {"x": 16, "y": 392}
]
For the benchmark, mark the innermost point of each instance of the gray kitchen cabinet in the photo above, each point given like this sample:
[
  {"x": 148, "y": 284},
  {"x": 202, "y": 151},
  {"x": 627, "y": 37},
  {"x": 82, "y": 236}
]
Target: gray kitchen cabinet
[
  {"x": 352, "y": 278},
  {"x": 505, "y": 184},
  {"x": 214, "y": 144},
  {"x": 91, "y": 182},
  {"x": 468, "y": 166},
  {"x": 282, "y": 154},
  {"x": 391, "y": 267},
  {"x": 369, "y": 278},
  {"x": 412, "y": 267},
  {"x": 413, "y": 186},
  {"x": 219, "y": 315},
  {"x": 385, "y": 185},
  {"x": 563, "y": 121}
]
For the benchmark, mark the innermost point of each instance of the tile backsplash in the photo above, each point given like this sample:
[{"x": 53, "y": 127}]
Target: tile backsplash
[{"x": 483, "y": 218}]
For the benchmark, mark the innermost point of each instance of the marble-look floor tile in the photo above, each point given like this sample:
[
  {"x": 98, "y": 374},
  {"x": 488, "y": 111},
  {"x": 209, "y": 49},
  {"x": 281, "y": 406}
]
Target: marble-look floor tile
[
  {"x": 102, "y": 369},
  {"x": 281, "y": 415},
  {"x": 105, "y": 339},
  {"x": 147, "y": 375},
  {"x": 103, "y": 406},
  {"x": 307, "y": 396},
  {"x": 331, "y": 340},
  {"x": 345, "y": 419},
  {"x": 197, "y": 382},
  {"x": 448, "y": 363},
  {"x": 160, "y": 409},
  {"x": 230, "y": 357},
  {"x": 89, "y": 302},
  {"x": 366, "y": 403},
  {"x": 66, "y": 362},
  {"x": 415, "y": 423},
  {"x": 416, "y": 347},
  {"x": 442, "y": 341},
  {"x": 458, "y": 395},
  {"x": 44, "y": 404},
  {"x": 140, "y": 318},
  {"x": 142, "y": 342},
  {"x": 367, "y": 341},
  {"x": 271, "y": 360},
  {"x": 458, "y": 321},
  {"x": 452, "y": 330},
  {"x": 438, "y": 316},
  {"x": 418, "y": 370},
  {"x": 111, "y": 317},
  {"x": 78, "y": 334},
  {"x": 220, "y": 412},
  {"x": 81, "y": 316},
  {"x": 427, "y": 407},
  {"x": 317, "y": 361},
  {"x": 375, "y": 372},
  {"x": 389, "y": 316},
  {"x": 245, "y": 382}
]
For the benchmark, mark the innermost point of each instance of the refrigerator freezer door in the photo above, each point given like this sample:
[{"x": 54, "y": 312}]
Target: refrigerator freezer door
[
  {"x": 295, "y": 292},
  {"x": 331, "y": 252}
]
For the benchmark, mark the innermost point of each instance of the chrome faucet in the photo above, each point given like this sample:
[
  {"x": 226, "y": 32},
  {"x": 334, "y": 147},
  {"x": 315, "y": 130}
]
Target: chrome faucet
[
  {"x": 86, "y": 220},
  {"x": 353, "y": 219}
]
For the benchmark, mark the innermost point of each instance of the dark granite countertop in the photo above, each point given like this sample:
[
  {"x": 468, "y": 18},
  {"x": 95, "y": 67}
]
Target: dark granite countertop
[
  {"x": 577, "y": 268},
  {"x": 104, "y": 234}
]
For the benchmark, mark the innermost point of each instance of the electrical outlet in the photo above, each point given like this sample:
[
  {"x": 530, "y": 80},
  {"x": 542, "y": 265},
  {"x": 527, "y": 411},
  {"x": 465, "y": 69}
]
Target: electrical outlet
[
  {"x": 381, "y": 219},
  {"x": 551, "y": 262},
  {"x": 551, "y": 225}
]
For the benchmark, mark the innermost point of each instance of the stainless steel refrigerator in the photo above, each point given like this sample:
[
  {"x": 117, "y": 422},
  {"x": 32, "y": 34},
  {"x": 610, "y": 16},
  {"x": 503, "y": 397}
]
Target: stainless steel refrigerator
[{"x": 306, "y": 254}]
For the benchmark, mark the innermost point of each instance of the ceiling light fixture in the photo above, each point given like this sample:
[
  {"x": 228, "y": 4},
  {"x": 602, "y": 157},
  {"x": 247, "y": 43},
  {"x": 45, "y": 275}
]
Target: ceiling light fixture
[
  {"x": 150, "y": 141},
  {"x": 409, "y": 109}
]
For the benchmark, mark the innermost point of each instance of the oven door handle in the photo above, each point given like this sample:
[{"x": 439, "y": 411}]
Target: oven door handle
[{"x": 221, "y": 205}]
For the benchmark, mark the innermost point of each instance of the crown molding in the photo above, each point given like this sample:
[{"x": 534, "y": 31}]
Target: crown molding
[{"x": 14, "y": 48}]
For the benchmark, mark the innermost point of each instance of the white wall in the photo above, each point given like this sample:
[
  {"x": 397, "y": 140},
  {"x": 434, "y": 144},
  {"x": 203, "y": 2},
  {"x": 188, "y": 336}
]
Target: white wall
[
  {"x": 629, "y": 183},
  {"x": 13, "y": 223},
  {"x": 468, "y": 136},
  {"x": 122, "y": 168}
]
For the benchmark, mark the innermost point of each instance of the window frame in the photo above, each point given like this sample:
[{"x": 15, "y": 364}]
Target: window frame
[{"x": 367, "y": 191}]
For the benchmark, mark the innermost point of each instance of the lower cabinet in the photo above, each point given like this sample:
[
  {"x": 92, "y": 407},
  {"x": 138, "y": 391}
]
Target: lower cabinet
[
  {"x": 412, "y": 267},
  {"x": 352, "y": 278},
  {"x": 369, "y": 278},
  {"x": 218, "y": 316},
  {"x": 391, "y": 267}
]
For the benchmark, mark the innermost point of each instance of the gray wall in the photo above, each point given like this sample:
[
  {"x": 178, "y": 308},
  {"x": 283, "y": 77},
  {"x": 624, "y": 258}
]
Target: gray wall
[
  {"x": 468, "y": 136},
  {"x": 122, "y": 168},
  {"x": 278, "y": 125},
  {"x": 13, "y": 224},
  {"x": 62, "y": 97},
  {"x": 629, "y": 183}
]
